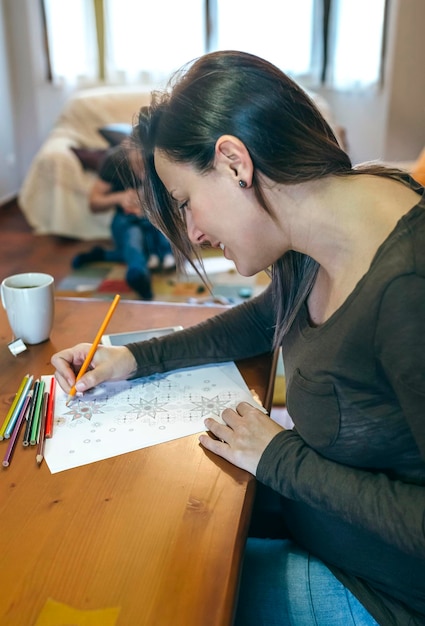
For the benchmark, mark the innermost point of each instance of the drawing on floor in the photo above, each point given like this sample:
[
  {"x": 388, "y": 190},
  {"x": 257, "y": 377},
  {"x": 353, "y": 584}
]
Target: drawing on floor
[{"x": 119, "y": 417}]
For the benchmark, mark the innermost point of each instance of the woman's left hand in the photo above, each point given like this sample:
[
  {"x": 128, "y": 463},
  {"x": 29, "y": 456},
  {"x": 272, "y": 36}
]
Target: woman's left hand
[{"x": 243, "y": 437}]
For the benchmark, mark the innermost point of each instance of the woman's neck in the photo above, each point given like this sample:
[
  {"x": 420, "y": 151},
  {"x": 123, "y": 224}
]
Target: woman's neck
[
  {"x": 338, "y": 220},
  {"x": 341, "y": 222}
]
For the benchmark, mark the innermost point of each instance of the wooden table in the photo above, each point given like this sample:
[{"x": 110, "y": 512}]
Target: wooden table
[{"x": 158, "y": 532}]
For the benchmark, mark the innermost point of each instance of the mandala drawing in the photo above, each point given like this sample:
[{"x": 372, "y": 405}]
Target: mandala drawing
[{"x": 119, "y": 417}]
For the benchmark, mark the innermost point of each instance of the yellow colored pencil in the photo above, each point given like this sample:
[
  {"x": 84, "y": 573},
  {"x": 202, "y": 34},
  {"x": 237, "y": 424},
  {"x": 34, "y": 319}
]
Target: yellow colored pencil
[
  {"x": 93, "y": 349},
  {"x": 18, "y": 407},
  {"x": 13, "y": 406},
  {"x": 15, "y": 432}
]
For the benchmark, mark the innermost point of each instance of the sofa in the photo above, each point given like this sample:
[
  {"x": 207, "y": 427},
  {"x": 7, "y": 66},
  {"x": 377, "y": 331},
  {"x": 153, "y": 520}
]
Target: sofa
[{"x": 54, "y": 194}]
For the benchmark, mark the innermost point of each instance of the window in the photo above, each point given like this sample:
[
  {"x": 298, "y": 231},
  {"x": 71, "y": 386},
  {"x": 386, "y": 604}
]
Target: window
[
  {"x": 356, "y": 38},
  {"x": 72, "y": 39},
  {"x": 146, "y": 42},
  {"x": 281, "y": 32},
  {"x": 150, "y": 40}
]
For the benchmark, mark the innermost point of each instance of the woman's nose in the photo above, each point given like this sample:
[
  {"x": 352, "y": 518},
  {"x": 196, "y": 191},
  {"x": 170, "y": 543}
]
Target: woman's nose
[{"x": 195, "y": 235}]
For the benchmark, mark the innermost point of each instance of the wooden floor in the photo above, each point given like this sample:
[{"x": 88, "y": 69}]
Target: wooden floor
[{"x": 22, "y": 251}]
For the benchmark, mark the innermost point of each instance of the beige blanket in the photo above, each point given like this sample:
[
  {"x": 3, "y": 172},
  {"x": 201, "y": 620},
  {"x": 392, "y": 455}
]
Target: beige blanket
[{"x": 54, "y": 195}]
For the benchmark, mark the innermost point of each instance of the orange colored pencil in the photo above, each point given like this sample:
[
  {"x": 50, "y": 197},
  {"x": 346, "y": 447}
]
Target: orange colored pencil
[{"x": 93, "y": 349}]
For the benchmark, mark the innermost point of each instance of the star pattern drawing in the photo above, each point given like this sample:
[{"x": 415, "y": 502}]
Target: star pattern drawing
[
  {"x": 84, "y": 409},
  {"x": 123, "y": 416},
  {"x": 214, "y": 405},
  {"x": 147, "y": 408}
]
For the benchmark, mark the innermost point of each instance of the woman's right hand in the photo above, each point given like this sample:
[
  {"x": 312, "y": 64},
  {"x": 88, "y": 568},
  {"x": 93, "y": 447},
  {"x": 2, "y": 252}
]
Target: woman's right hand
[{"x": 109, "y": 363}]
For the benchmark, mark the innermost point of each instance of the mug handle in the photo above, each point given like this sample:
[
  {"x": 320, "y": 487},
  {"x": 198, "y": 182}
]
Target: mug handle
[{"x": 2, "y": 297}]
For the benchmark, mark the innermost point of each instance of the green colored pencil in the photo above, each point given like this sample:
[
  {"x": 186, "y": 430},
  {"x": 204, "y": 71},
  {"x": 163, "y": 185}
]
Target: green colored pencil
[
  {"x": 30, "y": 415},
  {"x": 37, "y": 414}
]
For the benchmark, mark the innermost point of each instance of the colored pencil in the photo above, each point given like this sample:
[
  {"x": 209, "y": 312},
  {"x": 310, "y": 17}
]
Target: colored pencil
[
  {"x": 93, "y": 349},
  {"x": 13, "y": 405},
  {"x": 42, "y": 432},
  {"x": 50, "y": 408},
  {"x": 30, "y": 414},
  {"x": 35, "y": 426},
  {"x": 18, "y": 408},
  {"x": 15, "y": 433}
]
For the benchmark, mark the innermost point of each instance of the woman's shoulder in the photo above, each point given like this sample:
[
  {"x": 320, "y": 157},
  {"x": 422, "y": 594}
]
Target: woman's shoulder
[
  {"x": 406, "y": 243},
  {"x": 411, "y": 230}
]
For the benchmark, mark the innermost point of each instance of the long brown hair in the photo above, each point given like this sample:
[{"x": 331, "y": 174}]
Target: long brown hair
[{"x": 288, "y": 139}]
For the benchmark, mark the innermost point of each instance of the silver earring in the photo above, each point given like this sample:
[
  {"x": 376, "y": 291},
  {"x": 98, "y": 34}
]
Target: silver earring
[{"x": 242, "y": 184}]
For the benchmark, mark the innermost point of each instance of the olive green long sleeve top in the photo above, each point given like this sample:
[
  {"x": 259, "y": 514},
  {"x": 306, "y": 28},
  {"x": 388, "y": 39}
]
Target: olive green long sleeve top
[{"x": 351, "y": 473}]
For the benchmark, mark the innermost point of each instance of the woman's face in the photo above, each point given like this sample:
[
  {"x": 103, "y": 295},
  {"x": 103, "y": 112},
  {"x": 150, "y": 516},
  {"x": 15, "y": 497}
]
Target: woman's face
[{"x": 218, "y": 211}]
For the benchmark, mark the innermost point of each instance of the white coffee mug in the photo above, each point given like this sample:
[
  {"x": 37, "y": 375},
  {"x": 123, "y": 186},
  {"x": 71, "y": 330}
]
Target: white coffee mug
[{"x": 29, "y": 302}]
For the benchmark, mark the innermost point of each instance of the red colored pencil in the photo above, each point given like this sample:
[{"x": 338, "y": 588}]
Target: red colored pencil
[{"x": 50, "y": 409}]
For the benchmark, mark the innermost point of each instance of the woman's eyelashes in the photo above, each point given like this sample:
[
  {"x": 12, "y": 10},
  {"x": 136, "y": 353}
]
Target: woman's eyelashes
[{"x": 180, "y": 207}]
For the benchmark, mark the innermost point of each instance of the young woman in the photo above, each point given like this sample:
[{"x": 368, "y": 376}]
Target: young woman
[{"x": 238, "y": 157}]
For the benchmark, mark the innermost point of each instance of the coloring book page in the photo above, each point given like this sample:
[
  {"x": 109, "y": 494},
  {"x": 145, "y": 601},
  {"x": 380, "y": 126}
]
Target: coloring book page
[{"x": 119, "y": 417}]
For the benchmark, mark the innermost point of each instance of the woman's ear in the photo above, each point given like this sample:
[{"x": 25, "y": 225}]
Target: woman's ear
[{"x": 232, "y": 155}]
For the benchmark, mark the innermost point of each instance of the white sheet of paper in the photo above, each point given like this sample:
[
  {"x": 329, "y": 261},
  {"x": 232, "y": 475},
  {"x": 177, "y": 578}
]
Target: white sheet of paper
[
  {"x": 212, "y": 265},
  {"x": 115, "y": 418}
]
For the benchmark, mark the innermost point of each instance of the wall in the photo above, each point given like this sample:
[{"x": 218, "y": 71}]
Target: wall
[
  {"x": 387, "y": 124},
  {"x": 9, "y": 179},
  {"x": 405, "y": 130},
  {"x": 33, "y": 104}
]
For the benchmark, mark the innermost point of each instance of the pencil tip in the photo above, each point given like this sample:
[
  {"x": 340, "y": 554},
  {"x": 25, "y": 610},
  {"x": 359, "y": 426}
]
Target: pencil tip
[{"x": 39, "y": 458}]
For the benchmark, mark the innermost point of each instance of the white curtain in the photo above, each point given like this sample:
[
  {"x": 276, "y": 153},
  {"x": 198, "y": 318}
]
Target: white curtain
[
  {"x": 147, "y": 41},
  {"x": 72, "y": 40},
  {"x": 150, "y": 40},
  {"x": 289, "y": 33},
  {"x": 285, "y": 32},
  {"x": 356, "y": 34}
]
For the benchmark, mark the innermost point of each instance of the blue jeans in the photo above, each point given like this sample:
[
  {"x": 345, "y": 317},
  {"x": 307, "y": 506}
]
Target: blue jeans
[
  {"x": 282, "y": 585},
  {"x": 128, "y": 237},
  {"x": 156, "y": 242}
]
